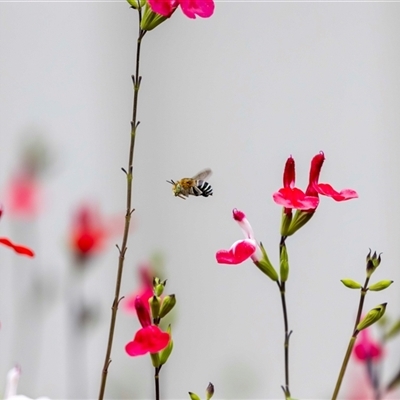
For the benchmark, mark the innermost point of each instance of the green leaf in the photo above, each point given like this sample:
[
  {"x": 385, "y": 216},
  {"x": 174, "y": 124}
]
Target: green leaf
[{"x": 351, "y": 284}]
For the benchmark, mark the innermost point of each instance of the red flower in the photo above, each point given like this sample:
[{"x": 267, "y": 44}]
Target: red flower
[
  {"x": 150, "y": 339},
  {"x": 191, "y": 8},
  {"x": 241, "y": 250},
  {"x": 89, "y": 232},
  {"x": 291, "y": 197},
  {"x": 142, "y": 311},
  {"x": 314, "y": 188},
  {"x": 17, "y": 247},
  {"x": 366, "y": 349}
]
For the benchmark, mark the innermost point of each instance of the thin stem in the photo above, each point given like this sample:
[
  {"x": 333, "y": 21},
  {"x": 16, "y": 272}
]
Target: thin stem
[
  {"x": 281, "y": 286},
  {"x": 129, "y": 178},
  {"x": 344, "y": 366},
  {"x": 364, "y": 290},
  {"x": 157, "y": 382}
]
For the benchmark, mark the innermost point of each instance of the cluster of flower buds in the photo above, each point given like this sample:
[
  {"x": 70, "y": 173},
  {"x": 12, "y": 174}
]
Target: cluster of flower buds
[
  {"x": 150, "y": 338},
  {"x": 209, "y": 393}
]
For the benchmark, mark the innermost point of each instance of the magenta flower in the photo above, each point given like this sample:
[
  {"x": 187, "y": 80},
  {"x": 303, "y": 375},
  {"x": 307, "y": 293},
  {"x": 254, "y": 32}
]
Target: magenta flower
[
  {"x": 150, "y": 339},
  {"x": 241, "y": 250},
  {"x": 191, "y": 8},
  {"x": 366, "y": 349},
  {"x": 314, "y": 188},
  {"x": 291, "y": 197}
]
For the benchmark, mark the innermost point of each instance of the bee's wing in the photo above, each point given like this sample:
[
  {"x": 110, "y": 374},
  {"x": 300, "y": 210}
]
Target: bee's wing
[{"x": 203, "y": 174}]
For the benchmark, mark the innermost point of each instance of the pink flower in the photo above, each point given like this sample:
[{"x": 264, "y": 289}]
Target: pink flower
[
  {"x": 191, "y": 8},
  {"x": 314, "y": 188},
  {"x": 150, "y": 339},
  {"x": 142, "y": 312},
  {"x": 241, "y": 250},
  {"x": 145, "y": 291},
  {"x": 291, "y": 197},
  {"x": 366, "y": 349}
]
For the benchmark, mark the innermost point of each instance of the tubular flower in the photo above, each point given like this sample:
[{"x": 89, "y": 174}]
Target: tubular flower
[
  {"x": 366, "y": 349},
  {"x": 291, "y": 197},
  {"x": 145, "y": 291},
  {"x": 241, "y": 250},
  {"x": 191, "y": 8},
  {"x": 150, "y": 339},
  {"x": 315, "y": 188}
]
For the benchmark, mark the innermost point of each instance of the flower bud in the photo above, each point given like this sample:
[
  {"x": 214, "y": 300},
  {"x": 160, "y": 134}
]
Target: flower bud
[
  {"x": 155, "y": 303},
  {"x": 284, "y": 271},
  {"x": 265, "y": 265},
  {"x": 155, "y": 359},
  {"x": 372, "y": 316},
  {"x": 209, "y": 391},
  {"x": 372, "y": 262},
  {"x": 164, "y": 354},
  {"x": 158, "y": 286},
  {"x": 299, "y": 220},
  {"x": 381, "y": 285},
  {"x": 194, "y": 396},
  {"x": 167, "y": 305},
  {"x": 351, "y": 284}
]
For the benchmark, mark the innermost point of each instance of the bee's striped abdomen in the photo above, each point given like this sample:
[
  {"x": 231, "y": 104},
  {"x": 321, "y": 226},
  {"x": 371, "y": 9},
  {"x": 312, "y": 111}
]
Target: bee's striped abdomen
[{"x": 204, "y": 189}]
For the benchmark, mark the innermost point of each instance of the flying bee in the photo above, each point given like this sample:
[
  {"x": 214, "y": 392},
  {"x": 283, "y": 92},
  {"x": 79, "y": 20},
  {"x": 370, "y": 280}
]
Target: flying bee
[{"x": 195, "y": 186}]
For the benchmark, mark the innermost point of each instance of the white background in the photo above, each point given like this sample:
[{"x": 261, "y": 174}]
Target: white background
[{"x": 238, "y": 93}]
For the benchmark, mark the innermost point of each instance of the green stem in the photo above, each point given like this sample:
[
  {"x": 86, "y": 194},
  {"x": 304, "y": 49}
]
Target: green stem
[
  {"x": 344, "y": 366},
  {"x": 364, "y": 290},
  {"x": 122, "y": 249},
  {"x": 281, "y": 286}
]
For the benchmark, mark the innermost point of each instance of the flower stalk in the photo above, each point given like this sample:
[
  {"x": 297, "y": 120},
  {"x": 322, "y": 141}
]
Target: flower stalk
[{"x": 129, "y": 180}]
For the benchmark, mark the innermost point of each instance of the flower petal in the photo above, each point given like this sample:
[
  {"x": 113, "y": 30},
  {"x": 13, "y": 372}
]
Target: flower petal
[
  {"x": 202, "y": 8},
  {"x": 163, "y": 7},
  {"x": 17, "y": 247},
  {"x": 295, "y": 198},
  {"x": 240, "y": 218},
  {"x": 327, "y": 190},
  {"x": 147, "y": 340},
  {"x": 239, "y": 252}
]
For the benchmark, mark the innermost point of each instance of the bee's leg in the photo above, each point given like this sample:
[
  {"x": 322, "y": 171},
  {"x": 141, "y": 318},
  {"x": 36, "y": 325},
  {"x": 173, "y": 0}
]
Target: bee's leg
[{"x": 182, "y": 197}]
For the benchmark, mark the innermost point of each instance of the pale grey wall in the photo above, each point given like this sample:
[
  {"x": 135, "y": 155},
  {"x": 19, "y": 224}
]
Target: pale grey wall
[{"x": 238, "y": 93}]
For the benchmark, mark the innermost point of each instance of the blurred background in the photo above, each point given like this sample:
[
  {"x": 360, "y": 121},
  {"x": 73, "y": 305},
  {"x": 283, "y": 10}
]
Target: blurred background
[{"x": 237, "y": 93}]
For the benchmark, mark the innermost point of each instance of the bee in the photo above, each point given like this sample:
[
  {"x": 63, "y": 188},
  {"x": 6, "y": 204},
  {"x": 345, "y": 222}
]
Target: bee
[{"x": 195, "y": 186}]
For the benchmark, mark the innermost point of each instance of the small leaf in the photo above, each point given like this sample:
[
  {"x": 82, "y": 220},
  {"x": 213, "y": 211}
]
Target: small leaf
[
  {"x": 351, "y": 284},
  {"x": 194, "y": 396},
  {"x": 381, "y": 285}
]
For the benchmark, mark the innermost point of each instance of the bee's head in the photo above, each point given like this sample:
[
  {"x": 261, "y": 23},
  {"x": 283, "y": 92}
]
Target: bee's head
[{"x": 176, "y": 187}]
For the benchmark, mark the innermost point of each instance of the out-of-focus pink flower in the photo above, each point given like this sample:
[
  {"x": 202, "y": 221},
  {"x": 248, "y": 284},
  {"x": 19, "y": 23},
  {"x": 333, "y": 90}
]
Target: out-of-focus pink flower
[
  {"x": 12, "y": 385},
  {"x": 145, "y": 291},
  {"x": 191, "y": 8},
  {"x": 150, "y": 339},
  {"x": 291, "y": 197},
  {"x": 367, "y": 349},
  {"x": 23, "y": 195},
  {"x": 241, "y": 250},
  {"x": 89, "y": 232}
]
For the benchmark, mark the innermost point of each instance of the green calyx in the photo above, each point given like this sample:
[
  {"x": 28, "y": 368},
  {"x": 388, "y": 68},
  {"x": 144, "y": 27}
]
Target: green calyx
[
  {"x": 151, "y": 19},
  {"x": 373, "y": 262},
  {"x": 167, "y": 305},
  {"x": 372, "y": 316},
  {"x": 265, "y": 266},
  {"x": 299, "y": 220},
  {"x": 165, "y": 353},
  {"x": 284, "y": 263}
]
